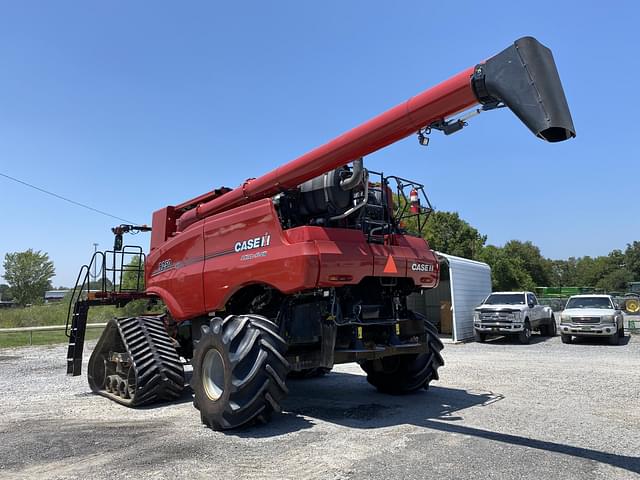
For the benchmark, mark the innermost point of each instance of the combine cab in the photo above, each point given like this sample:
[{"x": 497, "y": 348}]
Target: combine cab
[{"x": 305, "y": 267}]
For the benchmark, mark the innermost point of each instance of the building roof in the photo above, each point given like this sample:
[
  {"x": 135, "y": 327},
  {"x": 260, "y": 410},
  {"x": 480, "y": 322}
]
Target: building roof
[{"x": 55, "y": 293}]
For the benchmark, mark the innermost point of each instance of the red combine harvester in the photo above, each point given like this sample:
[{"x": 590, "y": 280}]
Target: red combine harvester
[{"x": 307, "y": 266}]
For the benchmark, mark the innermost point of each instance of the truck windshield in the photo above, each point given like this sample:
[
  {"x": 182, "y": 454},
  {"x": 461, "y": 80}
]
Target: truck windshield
[
  {"x": 589, "y": 302},
  {"x": 505, "y": 299}
]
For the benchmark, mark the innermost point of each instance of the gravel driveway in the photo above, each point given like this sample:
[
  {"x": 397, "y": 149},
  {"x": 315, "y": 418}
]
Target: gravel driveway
[{"x": 500, "y": 410}]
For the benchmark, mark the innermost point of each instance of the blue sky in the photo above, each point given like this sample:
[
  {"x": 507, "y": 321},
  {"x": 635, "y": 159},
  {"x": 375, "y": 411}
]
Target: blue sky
[{"x": 131, "y": 106}]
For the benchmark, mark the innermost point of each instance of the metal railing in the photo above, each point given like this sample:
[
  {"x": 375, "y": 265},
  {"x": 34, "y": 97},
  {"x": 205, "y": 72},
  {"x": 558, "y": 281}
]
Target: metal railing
[{"x": 48, "y": 328}]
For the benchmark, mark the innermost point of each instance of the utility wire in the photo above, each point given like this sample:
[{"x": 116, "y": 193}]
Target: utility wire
[{"x": 65, "y": 199}]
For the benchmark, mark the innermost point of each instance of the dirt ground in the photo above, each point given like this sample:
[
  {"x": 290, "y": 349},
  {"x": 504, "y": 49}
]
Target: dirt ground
[{"x": 500, "y": 410}]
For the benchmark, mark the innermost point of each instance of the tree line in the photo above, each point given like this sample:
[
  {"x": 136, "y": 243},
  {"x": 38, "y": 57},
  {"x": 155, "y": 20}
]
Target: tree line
[
  {"x": 28, "y": 275},
  {"x": 519, "y": 265}
]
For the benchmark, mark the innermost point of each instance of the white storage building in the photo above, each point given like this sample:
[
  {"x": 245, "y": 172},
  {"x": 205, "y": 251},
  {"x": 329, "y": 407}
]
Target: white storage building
[{"x": 464, "y": 284}]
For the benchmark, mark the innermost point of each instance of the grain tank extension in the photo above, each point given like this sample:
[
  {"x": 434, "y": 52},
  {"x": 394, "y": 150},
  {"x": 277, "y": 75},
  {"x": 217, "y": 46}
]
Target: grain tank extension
[{"x": 305, "y": 267}]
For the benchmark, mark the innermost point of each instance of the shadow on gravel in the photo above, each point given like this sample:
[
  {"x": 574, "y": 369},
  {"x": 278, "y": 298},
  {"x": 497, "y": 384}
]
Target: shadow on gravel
[
  {"x": 600, "y": 341},
  {"x": 347, "y": 399},
  {"x": 631, "y": 464},
  {"x": 513, "y": 340}
]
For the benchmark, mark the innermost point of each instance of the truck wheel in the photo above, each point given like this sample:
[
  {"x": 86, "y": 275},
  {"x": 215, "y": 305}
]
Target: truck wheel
[
  {"x": 565, "y": 338},
  {"x": 549, "y": 329},
  {"x": 621, "y": 331},
  {"x": 524, "y": 336},
  {"x": 400, "y": 374},
  {"x": 553, "y": 328},
  {"x": 309, "y": 373},
  {"x": 479, "y": 336},
  {"x": 239, "y": 371},
  {"x": 614, "y": 339}
]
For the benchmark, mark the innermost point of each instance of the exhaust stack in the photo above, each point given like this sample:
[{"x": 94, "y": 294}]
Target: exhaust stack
[{"x": 524, "y": 77}]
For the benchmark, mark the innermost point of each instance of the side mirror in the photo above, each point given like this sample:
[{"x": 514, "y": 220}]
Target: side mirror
[{"x": 531, "y": 305}]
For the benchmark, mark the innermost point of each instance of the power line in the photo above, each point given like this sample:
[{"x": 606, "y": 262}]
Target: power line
[{"x": 65, "y": 199}]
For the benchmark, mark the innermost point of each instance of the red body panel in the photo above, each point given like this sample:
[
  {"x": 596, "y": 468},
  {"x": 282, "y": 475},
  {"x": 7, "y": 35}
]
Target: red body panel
[
  {"x": 198, "y": 259},
  {"x": 198, "y": 271}
]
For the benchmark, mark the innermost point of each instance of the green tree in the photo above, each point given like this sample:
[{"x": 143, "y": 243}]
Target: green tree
[
  {"x": 5, "y": 292},
  {"x": 507, "y": 272},
  {"x": 632, "y": 259},
  {"x": 448, "y": 233},
  {"x": 133, "y": 276},
  {"x": 528, "y": 256},
  {"x": 29, "y": 275},
  {"x": 615, "y": 281}
]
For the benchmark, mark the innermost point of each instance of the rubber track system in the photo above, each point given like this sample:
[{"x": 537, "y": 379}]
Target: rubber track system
[
  {"x": 147, "y": 370},
  {"x": 247, "y": 381},
  {"x": 401, "y": 374}
]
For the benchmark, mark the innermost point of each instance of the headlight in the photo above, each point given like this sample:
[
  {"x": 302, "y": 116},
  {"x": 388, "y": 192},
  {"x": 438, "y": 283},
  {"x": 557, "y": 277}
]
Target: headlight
[
  {"x": 565, "y": 318},
  {"x": 607, "y": 319},
  {"x": 517, "y": 316},
  {"x": 476, "y": 317}
]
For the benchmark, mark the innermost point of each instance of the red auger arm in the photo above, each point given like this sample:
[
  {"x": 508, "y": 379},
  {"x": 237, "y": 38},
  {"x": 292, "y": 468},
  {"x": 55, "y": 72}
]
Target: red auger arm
[{"x": 522, "y": 77}]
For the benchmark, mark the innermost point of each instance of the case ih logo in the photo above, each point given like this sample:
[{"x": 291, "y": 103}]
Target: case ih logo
[
  {"x": 422, "y": 267},
  {"x": 257, "y": 242}
]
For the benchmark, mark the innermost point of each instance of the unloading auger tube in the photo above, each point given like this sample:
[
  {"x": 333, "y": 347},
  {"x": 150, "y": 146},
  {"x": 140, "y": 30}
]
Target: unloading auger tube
[{"x": 523, "y": 77}]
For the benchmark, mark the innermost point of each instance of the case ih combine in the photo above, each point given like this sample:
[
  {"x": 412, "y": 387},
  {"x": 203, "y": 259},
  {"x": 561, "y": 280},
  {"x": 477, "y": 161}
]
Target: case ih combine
[{"x": 307, "y": 266}]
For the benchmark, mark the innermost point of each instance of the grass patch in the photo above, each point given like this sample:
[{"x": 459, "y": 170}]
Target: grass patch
[
  {"x": 51, "y": 314},
  {"x": 56, "y": 314},
  {"x": 41, "y": 338}
]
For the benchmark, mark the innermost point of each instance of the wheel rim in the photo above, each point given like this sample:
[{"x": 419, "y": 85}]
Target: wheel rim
[
  {"x": 213, "y": 374},
  {"x": 527, "y": 331}
]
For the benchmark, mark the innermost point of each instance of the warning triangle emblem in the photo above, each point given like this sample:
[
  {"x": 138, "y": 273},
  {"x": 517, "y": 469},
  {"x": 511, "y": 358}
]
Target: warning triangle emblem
[{"x": 390, "y": 267}]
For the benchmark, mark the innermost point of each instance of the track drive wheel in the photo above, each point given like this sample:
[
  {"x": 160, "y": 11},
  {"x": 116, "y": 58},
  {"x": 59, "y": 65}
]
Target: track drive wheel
[
  {"x": 239, "y": 371},
  {"x": 135, "y": 363},
  {"x": 400, "y": 374}
]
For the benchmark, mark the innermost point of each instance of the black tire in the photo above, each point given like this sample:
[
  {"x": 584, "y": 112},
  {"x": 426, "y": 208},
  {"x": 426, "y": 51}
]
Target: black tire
[
  {"x": 614, "y": 339},
  {"x": 479, "y": 336},
  {"x": 549, "y": 329},
  {"x": 566, "y": 338},
  {"x": 621, "y": 331},
  {"x": 400, "y": 374},
  {"x": 239, "y": 371},
  {"x": 524, "y": 337},
  {"x": 309, "y": 373}
]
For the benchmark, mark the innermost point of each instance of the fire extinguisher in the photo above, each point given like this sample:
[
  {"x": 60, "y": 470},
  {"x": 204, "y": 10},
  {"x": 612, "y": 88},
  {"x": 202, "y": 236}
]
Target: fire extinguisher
[{"x": 414, "y": 200}]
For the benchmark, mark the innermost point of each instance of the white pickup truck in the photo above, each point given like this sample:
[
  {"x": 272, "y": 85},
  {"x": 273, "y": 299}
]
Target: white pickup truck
[
  {"x": 512, "y": 313},
  {"x": 592, "y": 316}
]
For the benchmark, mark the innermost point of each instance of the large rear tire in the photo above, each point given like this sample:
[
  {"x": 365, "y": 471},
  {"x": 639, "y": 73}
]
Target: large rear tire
[
  {"x": 566, "y": 338},
  {"x": 400, "y": 374},
  {"x": 239, "y": 371}
]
